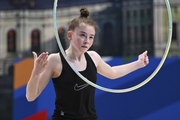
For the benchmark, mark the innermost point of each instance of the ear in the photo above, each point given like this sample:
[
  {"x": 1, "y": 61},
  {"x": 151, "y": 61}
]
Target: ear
[{"x": 69, "y": 35}]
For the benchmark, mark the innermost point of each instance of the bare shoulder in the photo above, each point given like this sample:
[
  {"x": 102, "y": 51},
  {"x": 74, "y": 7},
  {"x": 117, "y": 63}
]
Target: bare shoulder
[
  {"x": 55, "y": 62},
  {"x": 54, "y": 57},
  {"x": 95, "y": 56}
]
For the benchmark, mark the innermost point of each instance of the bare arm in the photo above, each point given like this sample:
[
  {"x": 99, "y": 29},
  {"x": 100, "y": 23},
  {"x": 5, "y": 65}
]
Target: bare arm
[
  {"x": 119, "y": 70},
  {"x": 41, "y": 74}
]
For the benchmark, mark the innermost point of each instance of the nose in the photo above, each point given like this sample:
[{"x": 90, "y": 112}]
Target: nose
[{"x": 86, "y": 40}]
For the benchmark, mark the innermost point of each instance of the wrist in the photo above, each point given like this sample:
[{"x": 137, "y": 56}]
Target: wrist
[
  {"x": 35, "y": 73},
  {"x": 138, "y": 64}
]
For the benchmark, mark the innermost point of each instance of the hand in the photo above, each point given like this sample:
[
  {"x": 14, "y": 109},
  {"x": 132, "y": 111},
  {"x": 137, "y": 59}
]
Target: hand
[
  {"x": 143, "y": 59},
  {"x": 40, "y": 62}
]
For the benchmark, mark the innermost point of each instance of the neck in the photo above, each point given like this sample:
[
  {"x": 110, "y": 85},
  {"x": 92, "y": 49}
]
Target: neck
[{"x": 72, "y": 55}]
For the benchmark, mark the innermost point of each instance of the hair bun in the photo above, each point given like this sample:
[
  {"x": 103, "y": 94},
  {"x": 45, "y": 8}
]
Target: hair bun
[{"x": 84, "y": 12}]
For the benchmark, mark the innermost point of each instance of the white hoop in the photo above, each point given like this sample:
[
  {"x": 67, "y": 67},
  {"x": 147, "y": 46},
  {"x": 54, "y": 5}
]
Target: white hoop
[{"x": 120, "y": 90}]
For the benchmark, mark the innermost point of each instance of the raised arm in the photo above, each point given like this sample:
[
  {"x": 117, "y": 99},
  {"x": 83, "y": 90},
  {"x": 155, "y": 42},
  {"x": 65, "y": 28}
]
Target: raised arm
[
  {"x": 40, "y": 76},
  {"x": 120, "y": 70}
]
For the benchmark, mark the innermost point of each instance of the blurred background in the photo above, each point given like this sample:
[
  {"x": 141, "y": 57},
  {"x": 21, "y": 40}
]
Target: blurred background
[{"x": 126, "y": 29}]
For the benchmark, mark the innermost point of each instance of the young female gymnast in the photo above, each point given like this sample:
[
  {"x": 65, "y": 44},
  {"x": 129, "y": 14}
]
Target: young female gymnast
[{"x": 74, "y": 97}]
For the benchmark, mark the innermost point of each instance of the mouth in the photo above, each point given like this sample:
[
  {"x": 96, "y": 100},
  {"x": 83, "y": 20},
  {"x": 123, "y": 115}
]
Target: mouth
[{"x": 84, "y": 46}]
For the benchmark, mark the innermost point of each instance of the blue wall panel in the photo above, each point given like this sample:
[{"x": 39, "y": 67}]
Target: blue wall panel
[
  {"x": 161, "y": 92},
  {"x": 157, "y": 100}
]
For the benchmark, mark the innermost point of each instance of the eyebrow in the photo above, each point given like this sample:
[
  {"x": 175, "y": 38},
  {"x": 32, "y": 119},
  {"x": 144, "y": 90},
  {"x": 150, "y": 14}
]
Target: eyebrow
[{"x": 86, "y": 33}]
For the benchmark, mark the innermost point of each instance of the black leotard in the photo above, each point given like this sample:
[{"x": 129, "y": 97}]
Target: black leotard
[{"x": 74, "y": 97}]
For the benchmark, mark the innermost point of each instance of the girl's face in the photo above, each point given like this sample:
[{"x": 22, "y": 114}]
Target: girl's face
[{"x": 82, "y": 37}]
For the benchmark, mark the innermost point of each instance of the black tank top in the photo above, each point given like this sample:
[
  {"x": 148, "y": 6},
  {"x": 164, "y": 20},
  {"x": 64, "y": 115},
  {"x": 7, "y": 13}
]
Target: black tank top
[{"x": 74, "y": 97}]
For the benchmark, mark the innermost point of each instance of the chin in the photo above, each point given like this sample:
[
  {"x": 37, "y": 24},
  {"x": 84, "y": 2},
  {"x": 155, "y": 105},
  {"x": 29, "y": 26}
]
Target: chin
[{"x": 84, "y": 50}]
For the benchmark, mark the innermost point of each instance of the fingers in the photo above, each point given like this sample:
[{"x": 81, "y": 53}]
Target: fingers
[
  {"x": 144, "y": 58},
  {"x": 40, "y": 62},
  {"x": 145, "y": 52},
  {"x": 34, "y": 54},
  {"x": 45, "y": 59},
  {"x": 143, "y": 55},
  {"x": 42, "y": 59}
]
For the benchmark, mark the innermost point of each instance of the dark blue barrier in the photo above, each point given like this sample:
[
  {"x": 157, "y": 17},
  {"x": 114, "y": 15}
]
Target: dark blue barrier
[{"x": 157, "y": 100}]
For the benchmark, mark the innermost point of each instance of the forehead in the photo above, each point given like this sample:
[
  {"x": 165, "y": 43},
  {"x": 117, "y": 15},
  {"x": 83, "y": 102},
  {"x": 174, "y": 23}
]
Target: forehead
[{"x": 86, "y": 28}]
